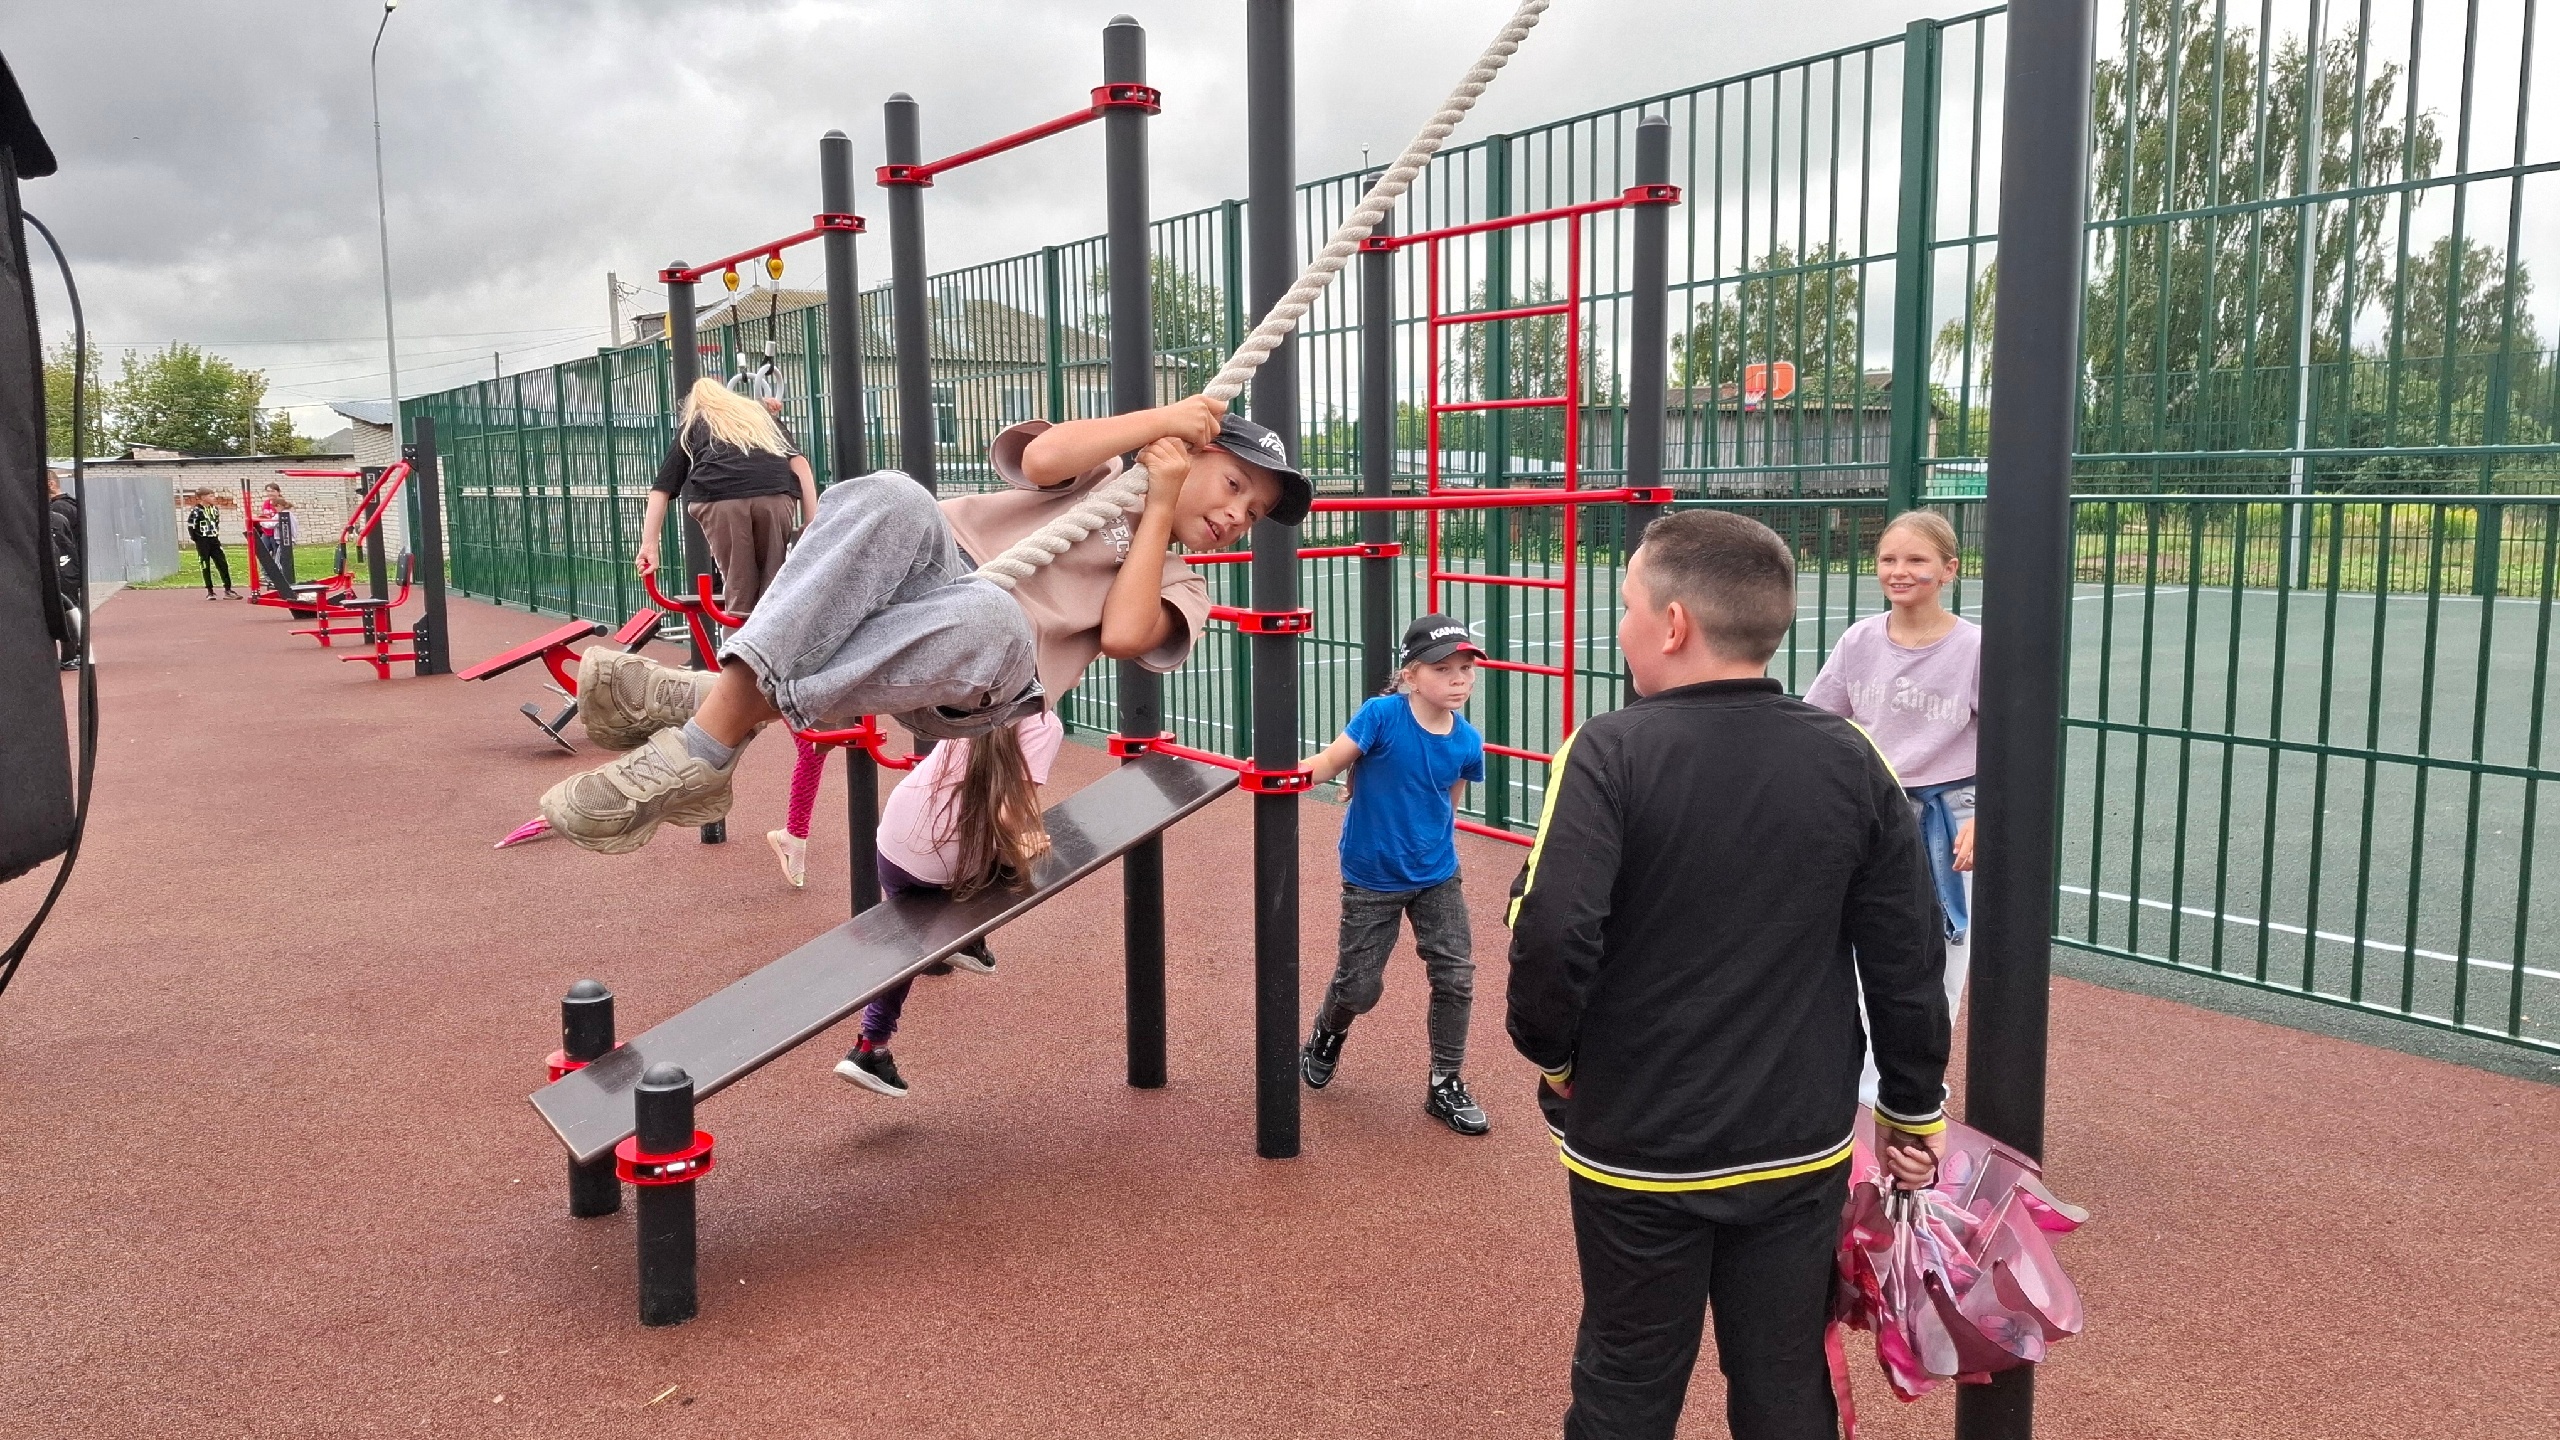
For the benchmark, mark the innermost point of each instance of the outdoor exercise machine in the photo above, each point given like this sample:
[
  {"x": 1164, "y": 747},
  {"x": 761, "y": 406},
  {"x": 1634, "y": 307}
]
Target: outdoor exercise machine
[
  {"x": 633, "y": 1103},
  {"x": 552, "y": 649},
  {"x": 333, "y": 600}
]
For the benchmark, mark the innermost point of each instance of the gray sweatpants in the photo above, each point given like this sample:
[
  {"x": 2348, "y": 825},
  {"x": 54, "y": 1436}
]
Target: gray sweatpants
[
  {"x": 1441, "y": 931},
  {"x": 875, "y": 614}
]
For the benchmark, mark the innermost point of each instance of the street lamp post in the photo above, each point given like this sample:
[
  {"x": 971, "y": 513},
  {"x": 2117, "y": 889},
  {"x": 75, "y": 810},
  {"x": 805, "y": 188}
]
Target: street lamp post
[{"x": 382, "y": 219}]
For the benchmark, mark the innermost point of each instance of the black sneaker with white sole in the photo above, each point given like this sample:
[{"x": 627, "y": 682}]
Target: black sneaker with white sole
[
  {"x": 1320, "y": 1055},
  {"x": 1449, "y": 1103},
  {"x": 872, "y": 1070},
  {"x": 977, "y": 959}
]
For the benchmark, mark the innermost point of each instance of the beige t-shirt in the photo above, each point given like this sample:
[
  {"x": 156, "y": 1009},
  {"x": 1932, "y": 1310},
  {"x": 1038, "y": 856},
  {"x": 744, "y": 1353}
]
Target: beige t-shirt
[{"x": 1064, "y": 598}]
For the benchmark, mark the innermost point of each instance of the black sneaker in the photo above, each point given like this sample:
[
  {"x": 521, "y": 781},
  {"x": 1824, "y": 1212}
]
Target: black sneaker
[
  {"x": 977, "y": 959},
  {"x": 938, "y": 967},
  {"x": 1318, "y": 1057},
  {"x": 872, "y": 1070},
  {"x": 1449, "y": 1103}
]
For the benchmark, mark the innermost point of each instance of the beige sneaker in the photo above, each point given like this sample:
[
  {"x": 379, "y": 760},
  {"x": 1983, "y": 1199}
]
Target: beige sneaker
[
  {"x": 625, "y": 699},
  {"x": 615, "y": 808},
  {"x": 793, "y": 851}
]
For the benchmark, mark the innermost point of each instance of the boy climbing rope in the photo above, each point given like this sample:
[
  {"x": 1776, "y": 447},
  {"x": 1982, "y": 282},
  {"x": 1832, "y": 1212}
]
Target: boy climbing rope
[
  {"x": 878, "y": 612},
  {"x": 1410, "y": 755}
]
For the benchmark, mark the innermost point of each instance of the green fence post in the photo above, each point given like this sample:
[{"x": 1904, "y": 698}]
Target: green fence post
[
  {"x": 575, "y": 604},
  {"x": 1497, "y": 445},
  {"x": 524, "y": 498},
  {"x": 613, "y": 491},
  {"x": 1906, "y": 476},
  {"x": 1053, "y": 331}
]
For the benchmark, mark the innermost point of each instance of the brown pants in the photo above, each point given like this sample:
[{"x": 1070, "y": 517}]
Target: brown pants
[{"x": 747, "y": 539}]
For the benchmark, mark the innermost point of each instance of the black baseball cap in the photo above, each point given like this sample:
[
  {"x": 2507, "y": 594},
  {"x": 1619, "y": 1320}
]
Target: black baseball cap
[
  {"x": 1436, "y": 637},
  {"x": 1263, "y": 449}
]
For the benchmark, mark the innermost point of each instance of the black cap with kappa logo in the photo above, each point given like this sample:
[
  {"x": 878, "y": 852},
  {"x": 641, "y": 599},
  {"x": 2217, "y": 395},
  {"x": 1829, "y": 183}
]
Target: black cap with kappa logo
[
  {"x": 1264, "y": 450},
  {"x": 1436, "y": 637}
]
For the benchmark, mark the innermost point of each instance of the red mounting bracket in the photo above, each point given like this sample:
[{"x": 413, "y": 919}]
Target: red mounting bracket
[
  {"x": 1265, "y": 622},
  {"x": 1381, "y": 549},
  {"x": 920, "y": 175},
  {"x": 678, "y": 1167},
  {"x": 1276, "y": 782},
  {"x": 1377, "y": 242},
  {"x": 559, "y": 1063},
  {"x": 1123, "y": 747},
  {"x": 1649, "y": 495},
  {"x": 832, "y": 221},
  {"x": 1653, "y": 194},
  {"x": 1128, "y": 97}
]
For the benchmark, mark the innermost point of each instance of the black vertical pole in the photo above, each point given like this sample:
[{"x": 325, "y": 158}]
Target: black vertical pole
[
  {"x": 1124, "y": 146},
  {"x": 910, "y": 323},
  {"x": 586, "y": 1033},
  {"x": 1271, "y": 264},
  {"x": 426, "y": 548},
  {"x": 662, "y": 1116},
  {"x": 845, "y": 460},
  {"x": 684, "y": 366},
  {"x": 377, "y": 568},
  {"x": 1648, "y": 324},
  {"x": 2035, "y": 345},
  {"x": 1377, "y": 457}
]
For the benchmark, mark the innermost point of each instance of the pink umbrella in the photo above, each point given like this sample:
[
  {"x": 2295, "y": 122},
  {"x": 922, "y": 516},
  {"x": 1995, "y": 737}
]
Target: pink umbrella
[{"x": 1959, "y": 1280}]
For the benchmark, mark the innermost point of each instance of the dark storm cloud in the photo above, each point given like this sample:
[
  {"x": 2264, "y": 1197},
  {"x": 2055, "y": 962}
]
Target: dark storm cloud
[{"x": 217, "y": 164}]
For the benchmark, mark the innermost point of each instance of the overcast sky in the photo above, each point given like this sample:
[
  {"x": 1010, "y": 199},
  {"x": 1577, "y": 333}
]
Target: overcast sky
[{"x": 217, "y": 167}]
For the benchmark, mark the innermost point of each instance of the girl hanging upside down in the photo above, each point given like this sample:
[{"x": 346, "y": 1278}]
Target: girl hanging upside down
[{"x": 877, "y": 613}]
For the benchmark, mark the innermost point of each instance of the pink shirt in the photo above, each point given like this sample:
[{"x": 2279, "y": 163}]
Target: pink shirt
[
  {"x": 1920, "y": 703},
  {"x": 918, "y": 832}
]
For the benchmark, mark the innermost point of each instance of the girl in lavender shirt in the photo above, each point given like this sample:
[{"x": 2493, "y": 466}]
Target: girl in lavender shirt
[{"x": 1912, "y": 679}]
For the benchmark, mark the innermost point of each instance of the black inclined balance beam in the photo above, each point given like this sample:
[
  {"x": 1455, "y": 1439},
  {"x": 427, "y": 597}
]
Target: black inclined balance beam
[{"x": 763, "y": 1016}]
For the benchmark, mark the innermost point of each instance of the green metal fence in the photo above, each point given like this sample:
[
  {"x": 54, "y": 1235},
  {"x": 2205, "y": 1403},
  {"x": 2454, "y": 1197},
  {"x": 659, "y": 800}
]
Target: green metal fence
[{"x": 2319, "y": 430}]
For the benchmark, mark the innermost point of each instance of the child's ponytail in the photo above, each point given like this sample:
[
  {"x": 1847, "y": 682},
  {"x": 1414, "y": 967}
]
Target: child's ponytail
[{"x": 996, "y": 819}]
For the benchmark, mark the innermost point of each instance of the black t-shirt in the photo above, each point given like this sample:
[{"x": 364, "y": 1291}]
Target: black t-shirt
[{"x": 717, "y": 470}]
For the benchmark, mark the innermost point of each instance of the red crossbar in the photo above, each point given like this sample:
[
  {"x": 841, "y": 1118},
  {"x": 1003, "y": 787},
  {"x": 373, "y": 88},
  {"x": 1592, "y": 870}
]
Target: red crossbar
[
  {"x": 1375, "y": 550},
  {"x": 323, "y": 474},
  {"x": 1523, "y": 666},
  {"x": 869, "y": 737},
  {"x": 1256, "y": 781},
  {"x": 1477, "y": 577},
  {"x": 1490, "y": 833},
  {"x": 1519, "y": 312},
  {"x": 1499, "y": 499},
  {"x": 1105, "y": 98},
  {"x": 1493, "y": 749},
  {"x": 826, "y": 224},
  {"x": 1632, "y": 195},
  {"x": 1518, "y": 402}
]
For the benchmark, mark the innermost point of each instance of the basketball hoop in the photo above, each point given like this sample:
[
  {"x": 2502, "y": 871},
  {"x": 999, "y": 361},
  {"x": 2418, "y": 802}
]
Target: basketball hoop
[{"x": 1761, "y": 384}]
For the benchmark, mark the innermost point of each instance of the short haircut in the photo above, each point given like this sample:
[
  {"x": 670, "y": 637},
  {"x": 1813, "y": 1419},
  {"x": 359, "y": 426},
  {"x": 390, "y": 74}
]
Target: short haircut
[
  {"x": 1735, "y": 577},
  {"x": 1927, "y": 526}
]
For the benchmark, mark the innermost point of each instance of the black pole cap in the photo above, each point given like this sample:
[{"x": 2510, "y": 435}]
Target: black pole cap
[
  {"x": 588, "y": 990},
  {"x": 666, "y": 1075}
]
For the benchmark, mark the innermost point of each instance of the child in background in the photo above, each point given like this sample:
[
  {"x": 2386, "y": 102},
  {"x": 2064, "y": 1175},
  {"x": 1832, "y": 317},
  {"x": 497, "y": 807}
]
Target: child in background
[
  {"x": 274, "y": 537},
  {"x": 1911, "y": 677},
  {"x": 1410, "y": 755},
  {"x": 204, "y": 527},
  {"x": 952, "y": 826}
]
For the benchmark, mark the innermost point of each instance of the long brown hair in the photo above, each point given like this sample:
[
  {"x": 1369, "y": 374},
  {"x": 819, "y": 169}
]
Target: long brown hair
[{"x": 996, "y": 818}]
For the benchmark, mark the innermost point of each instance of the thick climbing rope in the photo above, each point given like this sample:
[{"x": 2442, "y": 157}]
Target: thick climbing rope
[{"x": 1127, "y": 491}]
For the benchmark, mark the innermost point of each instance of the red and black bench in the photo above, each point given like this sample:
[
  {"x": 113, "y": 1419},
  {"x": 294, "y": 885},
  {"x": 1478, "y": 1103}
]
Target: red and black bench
[{"x": 554, "y": 652}]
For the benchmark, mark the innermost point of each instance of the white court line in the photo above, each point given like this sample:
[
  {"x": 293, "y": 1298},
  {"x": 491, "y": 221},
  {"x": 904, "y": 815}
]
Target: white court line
[{"x": 2283, "y": 929}]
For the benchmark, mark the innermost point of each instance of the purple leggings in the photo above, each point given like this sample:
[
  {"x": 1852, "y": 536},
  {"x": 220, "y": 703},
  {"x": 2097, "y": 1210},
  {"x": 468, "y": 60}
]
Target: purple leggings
[
  {"x": 880, "y": 1017},
  {"x": 804, "y": 786}
]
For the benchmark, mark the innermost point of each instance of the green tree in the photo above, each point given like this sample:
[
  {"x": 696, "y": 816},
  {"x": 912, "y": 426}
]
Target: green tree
[
  {"x": 1534, "y": 352},
  {"x": 182, "y": 399},
  {"x": 58, "y": 366},
  {"x": 1803, "y": 309},
  {"x": 1190, "y": 318}
]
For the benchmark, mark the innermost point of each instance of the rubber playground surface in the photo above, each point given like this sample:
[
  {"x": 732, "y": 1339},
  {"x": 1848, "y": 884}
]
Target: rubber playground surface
[{"x": 272, "y": 1171}]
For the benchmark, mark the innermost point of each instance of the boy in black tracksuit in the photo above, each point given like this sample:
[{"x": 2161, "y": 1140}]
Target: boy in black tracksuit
[
  {"x": 204, "y": 527},
  {"x": 1681, "y": 974}
]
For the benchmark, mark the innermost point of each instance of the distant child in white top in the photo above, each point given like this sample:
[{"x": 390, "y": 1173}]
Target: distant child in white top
[{"x": 1912, "y": 679}]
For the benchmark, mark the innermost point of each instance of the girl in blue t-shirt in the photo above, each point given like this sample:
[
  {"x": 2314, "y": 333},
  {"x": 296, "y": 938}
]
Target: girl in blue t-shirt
[{"x": 1410, "y": 755}]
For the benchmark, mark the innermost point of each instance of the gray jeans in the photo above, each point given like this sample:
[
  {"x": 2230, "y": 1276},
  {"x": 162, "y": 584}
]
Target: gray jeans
[
  {"x": 875, "y": 614},
  {"x": 1441, "y": 932}
]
